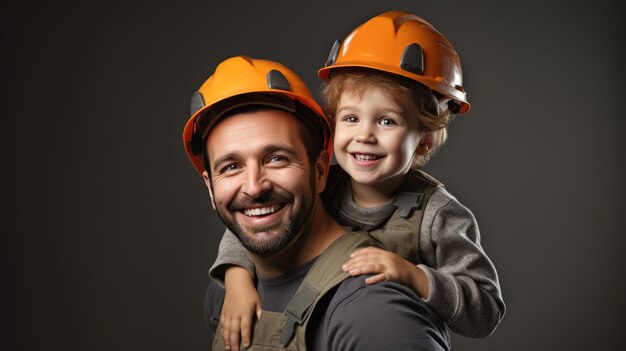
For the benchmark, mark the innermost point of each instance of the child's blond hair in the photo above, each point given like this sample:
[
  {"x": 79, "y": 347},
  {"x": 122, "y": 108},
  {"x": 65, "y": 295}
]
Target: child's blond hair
[{"x": 411, "y": 95}]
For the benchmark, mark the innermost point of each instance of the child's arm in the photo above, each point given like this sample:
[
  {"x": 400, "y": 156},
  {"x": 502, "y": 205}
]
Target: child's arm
[
  {"x": 464, "y": 286},
  {"x": 456, "y": 279},
  {"x": 241, "y": 303},
  {"x": 387, "y": 266},
  {"x": 234, "y": 269},
  {"x": 230, "y": 252}
]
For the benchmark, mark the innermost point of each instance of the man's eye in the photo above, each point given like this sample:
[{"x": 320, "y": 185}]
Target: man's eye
[
  {"x": 230, "y": 167},
  {"x": 274, "y": 159}
]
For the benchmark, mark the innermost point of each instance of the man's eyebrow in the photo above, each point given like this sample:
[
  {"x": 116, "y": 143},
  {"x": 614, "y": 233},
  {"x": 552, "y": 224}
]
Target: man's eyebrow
[
  {"x": 270, "y": 149},
  {"x": 228, "y": 156}
]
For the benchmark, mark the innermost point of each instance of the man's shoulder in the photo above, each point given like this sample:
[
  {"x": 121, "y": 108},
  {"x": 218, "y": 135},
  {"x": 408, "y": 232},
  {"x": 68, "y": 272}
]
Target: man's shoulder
[
  {"x": 356, "y": 315},
  {"x": 354, "y": 293}
]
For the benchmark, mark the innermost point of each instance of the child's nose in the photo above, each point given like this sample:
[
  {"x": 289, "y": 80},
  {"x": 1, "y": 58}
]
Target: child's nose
[{"x": 365, "y": 134}]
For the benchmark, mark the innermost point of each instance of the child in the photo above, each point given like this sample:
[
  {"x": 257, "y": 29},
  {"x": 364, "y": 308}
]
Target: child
[{"x": 391, "y": 88}]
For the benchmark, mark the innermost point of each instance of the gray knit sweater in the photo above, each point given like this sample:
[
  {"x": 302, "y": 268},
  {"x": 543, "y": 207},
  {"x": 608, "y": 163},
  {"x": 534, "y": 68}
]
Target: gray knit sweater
[{"x": 464, "y": 287}]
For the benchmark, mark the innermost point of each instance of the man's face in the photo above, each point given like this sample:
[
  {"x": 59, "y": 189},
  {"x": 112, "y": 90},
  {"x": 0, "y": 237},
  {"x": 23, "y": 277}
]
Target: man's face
[{"x": 263, "y": 186}]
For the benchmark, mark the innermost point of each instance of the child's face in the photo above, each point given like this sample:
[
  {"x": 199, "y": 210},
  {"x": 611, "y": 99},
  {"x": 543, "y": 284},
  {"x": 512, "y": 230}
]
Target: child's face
[{"x": 375, "y": 138}]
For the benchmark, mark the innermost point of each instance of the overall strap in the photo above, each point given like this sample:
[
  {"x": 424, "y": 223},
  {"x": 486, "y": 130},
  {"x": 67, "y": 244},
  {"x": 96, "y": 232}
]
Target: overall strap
[
  {"x": 325, "y": 274},
  {"x": 401, "y": 232},
  {"x": 414, "y": 192}
]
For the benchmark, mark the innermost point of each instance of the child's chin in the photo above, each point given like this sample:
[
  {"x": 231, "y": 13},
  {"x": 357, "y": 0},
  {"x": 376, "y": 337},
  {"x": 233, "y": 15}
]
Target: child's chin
[{"x": 365, "y": 179}]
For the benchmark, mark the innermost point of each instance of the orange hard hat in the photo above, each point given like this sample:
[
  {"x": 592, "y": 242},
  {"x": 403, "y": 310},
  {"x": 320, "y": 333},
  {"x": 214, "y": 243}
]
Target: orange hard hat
[
  {"x": 241, "y": 81},
  {"x": 404, "y": 44}
]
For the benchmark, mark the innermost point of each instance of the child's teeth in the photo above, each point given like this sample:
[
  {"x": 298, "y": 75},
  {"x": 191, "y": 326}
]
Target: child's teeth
[{"x": 362, "y": 157}]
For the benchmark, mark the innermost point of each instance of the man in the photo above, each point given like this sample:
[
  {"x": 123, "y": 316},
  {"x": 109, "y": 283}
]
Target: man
[{"x": 262, "y": 145}]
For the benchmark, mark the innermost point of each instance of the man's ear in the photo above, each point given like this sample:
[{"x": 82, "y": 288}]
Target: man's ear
[
  {"x": 321, "y": 171},
  {"x": 207, "y": 181},
  {"x": 425, "y": 145}
]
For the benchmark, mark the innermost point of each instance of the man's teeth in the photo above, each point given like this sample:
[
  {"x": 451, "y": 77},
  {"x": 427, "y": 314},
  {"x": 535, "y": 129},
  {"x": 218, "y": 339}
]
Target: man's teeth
[
  {"x": 363, "y": 157},
  {"x": 260, "y": 211}
]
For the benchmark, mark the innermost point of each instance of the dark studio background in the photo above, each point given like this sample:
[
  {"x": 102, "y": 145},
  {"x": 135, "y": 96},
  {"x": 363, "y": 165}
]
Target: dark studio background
[{"x": 107, "y": 231}]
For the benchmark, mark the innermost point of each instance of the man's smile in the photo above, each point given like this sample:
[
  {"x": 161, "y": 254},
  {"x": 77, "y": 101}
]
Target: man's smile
[{"x": 262, "y": 211}]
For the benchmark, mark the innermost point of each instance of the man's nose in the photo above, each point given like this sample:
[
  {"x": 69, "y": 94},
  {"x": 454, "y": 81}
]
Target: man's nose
[
  {"x": 256, "y": 183},
  {"x": 365, "y": 134}
]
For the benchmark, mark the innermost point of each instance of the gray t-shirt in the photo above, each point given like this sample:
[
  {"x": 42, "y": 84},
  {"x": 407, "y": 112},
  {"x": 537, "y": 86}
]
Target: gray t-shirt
[{"x": 275, "y": 293}]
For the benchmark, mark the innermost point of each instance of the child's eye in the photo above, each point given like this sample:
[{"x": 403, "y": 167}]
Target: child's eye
[
  {"x": 351, "y": 119},
  {"x": 386, "y": 121}
]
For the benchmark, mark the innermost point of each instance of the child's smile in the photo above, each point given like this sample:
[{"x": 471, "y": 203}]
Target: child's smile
[{"x": 366, "y": 158}]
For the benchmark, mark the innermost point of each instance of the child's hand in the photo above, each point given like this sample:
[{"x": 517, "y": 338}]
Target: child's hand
[
  {"x": 241, "y": 303},
  {"x": 387, "y": 266}
]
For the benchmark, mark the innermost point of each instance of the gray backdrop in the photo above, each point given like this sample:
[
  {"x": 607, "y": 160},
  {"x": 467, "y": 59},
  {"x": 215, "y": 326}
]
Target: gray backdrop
[{"x": 107, "y": 232}]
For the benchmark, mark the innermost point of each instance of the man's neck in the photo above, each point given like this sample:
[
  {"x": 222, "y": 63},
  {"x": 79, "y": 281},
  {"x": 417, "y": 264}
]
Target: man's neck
[{"x": 315, "y": 236}]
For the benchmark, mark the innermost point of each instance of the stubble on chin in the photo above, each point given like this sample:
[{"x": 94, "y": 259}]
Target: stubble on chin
[{"x": 266, "y": 241}]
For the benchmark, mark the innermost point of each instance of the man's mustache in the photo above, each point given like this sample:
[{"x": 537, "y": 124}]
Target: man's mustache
[{"x": 270, "y": 197}]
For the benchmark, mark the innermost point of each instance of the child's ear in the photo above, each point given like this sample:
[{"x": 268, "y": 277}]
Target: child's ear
[
  {"x": 426, "y": 143},
  {"x": 207, "y": 181}
]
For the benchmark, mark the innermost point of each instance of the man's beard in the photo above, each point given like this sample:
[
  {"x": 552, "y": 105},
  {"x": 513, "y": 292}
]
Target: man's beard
[
  {"x": 284, "y": 233},
  {"x": 266, "y": 248}
]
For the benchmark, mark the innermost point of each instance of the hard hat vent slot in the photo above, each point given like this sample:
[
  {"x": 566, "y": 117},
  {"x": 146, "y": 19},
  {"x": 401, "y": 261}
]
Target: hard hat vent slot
[
  {"x": 413, "y": 59},
  {"x": 197, "y": 102},
  {"x": 276, "y": 80},
  {"x": 334, "y": 53}
]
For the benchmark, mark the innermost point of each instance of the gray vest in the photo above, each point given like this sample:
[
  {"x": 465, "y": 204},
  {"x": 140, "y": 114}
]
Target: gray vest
[{"x": 401, "y": 232}]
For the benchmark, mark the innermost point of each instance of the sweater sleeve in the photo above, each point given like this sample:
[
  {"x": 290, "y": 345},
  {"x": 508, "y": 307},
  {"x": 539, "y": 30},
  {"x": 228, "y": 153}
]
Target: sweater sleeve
[
  {"x": 230, "y": 252},
  {"x": 464, "y": 287}
]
